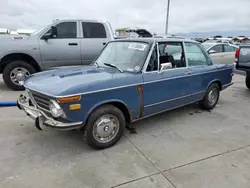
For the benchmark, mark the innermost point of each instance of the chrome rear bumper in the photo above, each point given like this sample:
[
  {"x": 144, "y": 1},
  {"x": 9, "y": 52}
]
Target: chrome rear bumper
[{"x": 41, "y": 118}]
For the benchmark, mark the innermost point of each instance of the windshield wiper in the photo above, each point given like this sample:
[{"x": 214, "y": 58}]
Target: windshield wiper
[
  {"x": 97, "y": 65},
  {"x": 113, "y": 65}
]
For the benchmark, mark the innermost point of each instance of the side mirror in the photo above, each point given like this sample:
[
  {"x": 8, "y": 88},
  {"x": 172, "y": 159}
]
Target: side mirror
[
  {"x": 165, "y": 66},
  {"x": 46, "y": 36},
  {"x": 52, "y": 34},
  {"x": 53, "y": 31},
  {"x": 212, "y": 52}
]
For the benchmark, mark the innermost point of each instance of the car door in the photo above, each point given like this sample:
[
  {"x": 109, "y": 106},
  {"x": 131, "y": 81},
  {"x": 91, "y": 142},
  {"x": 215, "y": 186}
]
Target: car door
[
  {"x": 216, "y": 53},
  {"x": 62, "y": 50},
  {"x": 229, "y": 54},
  {"x": 166, "y": 89},
  {"x": 201, "y": 67},
  {"x": 94, "y": 36}
]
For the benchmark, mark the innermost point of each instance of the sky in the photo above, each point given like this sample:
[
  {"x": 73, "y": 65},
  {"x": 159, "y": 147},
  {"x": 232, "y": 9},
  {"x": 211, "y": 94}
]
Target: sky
[{"x": 186, "y": 16}]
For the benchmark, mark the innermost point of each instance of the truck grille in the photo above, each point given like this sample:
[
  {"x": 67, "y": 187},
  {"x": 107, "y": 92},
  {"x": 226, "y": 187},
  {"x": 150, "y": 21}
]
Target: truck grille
[{"x": 42, "y": 101}]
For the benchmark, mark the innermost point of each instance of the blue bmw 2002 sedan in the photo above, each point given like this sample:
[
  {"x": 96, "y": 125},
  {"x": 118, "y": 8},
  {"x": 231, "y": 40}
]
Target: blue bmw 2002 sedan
[{"x": 130, "y": 80}]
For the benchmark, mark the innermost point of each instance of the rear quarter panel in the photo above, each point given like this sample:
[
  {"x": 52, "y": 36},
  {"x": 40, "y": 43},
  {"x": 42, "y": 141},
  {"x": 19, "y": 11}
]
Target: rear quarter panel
[{"x": 224, "y": 74}]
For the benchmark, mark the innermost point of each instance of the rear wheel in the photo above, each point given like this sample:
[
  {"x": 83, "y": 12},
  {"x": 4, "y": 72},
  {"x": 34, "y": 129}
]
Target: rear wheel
[
  {"x": 248, "y": 81},
  {"x": 105, "y": 127},
  {"x": 211, "y": 98},
  {"x": 15, "y": 72}
]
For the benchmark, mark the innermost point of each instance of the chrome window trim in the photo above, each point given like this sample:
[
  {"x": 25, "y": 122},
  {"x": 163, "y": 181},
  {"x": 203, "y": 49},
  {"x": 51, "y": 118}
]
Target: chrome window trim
[
  {"x": 130, "y": 85},
  {"x": 169, "y": 100},
  {"x": 158, "y": 56},
  {"x": 144, "y": 69},
  {"x": 185, "y": 54}
]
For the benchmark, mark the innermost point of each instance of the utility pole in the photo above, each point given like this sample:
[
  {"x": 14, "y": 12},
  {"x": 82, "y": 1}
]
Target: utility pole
[{"x": 167, "y": 17}]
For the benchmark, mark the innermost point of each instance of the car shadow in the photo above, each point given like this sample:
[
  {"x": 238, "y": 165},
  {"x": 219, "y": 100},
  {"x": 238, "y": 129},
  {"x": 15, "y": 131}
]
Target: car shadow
[{"x": 161, "y": 119}]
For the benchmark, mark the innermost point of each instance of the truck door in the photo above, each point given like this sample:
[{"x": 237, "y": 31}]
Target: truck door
[
  {"x": 64, "y": 49},
  {"x": 94, "y": 36},
  {"x": 217, "y": 55},
  {"x": 229, "y": 52}
]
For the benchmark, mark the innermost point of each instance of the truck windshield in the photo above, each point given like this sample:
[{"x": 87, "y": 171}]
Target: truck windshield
[{"x": 127, "y": 56}]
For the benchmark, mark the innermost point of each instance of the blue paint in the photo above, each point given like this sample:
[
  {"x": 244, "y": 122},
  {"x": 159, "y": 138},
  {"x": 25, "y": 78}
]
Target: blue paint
[
  {"x": 97, "y": 86},
  {"x": 9, "y": 103}
]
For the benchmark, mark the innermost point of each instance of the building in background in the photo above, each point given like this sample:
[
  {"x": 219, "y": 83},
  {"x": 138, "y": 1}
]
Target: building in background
[{"x": 4, "y": 31}]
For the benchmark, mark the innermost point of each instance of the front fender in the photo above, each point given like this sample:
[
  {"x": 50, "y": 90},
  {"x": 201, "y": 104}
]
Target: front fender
[{"x": 100, "y": 104}]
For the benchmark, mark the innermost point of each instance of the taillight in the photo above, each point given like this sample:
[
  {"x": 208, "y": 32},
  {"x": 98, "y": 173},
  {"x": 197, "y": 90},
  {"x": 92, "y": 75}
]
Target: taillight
[{"x": 237, "y": 53}]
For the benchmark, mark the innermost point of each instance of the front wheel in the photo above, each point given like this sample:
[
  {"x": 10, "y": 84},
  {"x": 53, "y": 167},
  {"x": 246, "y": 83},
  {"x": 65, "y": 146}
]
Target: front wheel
[
  {"x": 105, "y": 127},
  {"x": 211, "y": 98},
  {"x": 248, "y": 81},
  {"x": 15, "y": 72}
]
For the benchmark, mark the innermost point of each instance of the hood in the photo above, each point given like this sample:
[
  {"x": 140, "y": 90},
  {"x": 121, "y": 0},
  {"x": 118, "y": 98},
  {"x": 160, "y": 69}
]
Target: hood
[{"x": 73, "y": 80}]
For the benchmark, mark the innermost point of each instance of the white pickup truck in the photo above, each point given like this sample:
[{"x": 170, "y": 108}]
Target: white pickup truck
[{"x": 62, "y": 43}]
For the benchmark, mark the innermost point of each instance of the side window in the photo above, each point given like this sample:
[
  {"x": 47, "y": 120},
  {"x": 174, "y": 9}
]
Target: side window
[
  {"x": 93, "y": 30},
  {"x": 66, "y": 30},
  {"x": 172, "y": 55},
  {"x": 229, "y": 48},
  {"x": 217, "y": 48},
  {"x": 195, "y": 55}
]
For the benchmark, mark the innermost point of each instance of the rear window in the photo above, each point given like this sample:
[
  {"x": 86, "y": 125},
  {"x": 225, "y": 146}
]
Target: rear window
[{"x": 93, "y": 30}]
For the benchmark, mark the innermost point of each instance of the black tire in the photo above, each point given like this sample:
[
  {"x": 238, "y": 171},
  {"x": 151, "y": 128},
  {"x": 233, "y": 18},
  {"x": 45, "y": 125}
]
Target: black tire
[
  {"x": 205, "y": 103},
  {"x": 248, "y": 81},
  {"x": 94, "y": 116},
  {"x": 11, "y": 66}
]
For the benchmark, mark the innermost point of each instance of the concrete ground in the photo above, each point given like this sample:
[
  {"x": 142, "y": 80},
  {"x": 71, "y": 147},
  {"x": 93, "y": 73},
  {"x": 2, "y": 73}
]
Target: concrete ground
[{"x": 184, "y": 148}]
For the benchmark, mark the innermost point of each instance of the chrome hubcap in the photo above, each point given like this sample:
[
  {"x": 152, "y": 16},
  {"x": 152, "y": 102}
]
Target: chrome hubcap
[
  {"x": 106, "y": 128},
  {"x": 18, "y": 74},
  {"x": 212, "y": 96}
]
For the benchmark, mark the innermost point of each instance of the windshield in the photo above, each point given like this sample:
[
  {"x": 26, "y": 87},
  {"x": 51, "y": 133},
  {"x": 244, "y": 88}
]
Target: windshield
[
  {"x": 207, "y": 46},
  {"x": 128, "y": 56}
]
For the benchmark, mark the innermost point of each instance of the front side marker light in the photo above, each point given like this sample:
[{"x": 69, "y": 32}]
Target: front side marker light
[{"x": 75, "y": 107}]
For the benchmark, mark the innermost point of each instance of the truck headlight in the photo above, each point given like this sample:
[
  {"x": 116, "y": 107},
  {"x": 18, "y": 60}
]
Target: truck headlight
[{"x": 55, "y": 109}]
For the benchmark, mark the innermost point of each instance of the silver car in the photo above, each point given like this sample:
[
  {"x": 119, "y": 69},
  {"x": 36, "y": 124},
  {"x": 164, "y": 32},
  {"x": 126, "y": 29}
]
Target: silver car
[{"x": 221, "y": 53}]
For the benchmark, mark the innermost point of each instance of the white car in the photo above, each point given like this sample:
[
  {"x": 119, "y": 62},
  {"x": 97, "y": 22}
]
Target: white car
[{"x": 221, "y": 53}]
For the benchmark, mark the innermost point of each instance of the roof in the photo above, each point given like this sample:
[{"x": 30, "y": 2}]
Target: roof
[{"x": 151, "y": 40}]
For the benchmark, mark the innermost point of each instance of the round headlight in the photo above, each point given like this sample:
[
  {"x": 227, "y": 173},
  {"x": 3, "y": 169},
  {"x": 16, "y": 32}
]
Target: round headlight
[{"x": 55, "y": 109}]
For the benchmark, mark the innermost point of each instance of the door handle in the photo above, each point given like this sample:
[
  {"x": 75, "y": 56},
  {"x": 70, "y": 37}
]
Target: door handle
[
  {"x": 73, "y": 44},
  {"x": 188, "y": 72}
]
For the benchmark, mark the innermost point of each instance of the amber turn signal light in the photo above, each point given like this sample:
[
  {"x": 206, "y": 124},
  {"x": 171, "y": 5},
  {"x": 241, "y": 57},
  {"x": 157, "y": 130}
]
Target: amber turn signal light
[
  {"x": 69, "y": 99},
  {"x": 75, "y": 107}
]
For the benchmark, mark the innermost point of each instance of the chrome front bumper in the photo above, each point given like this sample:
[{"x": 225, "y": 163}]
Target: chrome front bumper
[{"x": 23, "y": 103}]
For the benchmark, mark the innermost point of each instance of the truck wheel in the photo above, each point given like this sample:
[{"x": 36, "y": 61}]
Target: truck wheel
[
  {"x": 248, "y": 81},
  {"x": 105, "y": 127},
  {"x": 15, "y": 71},
  {"x": 211, "y": 98}
]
